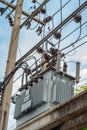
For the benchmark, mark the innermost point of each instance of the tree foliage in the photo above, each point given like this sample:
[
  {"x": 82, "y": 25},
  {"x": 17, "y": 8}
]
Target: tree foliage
[
  {"x": 84, "y": 128},
  {"x": 80, "y": 89}
]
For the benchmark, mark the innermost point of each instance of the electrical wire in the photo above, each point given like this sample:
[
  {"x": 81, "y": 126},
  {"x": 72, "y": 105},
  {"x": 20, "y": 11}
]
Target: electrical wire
[
  {"x": 60, "y": 50},
  {"x": 32, "y": 28},
  {"x": 9, "y": 76},
  {"x": 17, "y": 78},
  {"x": 52, "y": 23},
  {"x": 38, "y": 60},
  {"x": 73, "y": 52},
  {"x": 60, "y": 21},
  {"x": 72, "y": 33},
  {"x": 64, "y": 54},
  {"x": 38, "y": 3},
  {"x": 71, "y": 21},
  {"x": 36, "y": 24},
  {"x": 73, "y": 43},
  {"x": 83, "y": 80},
  {"x": 76, "y": 47},
  {"x": 32, "y": 57},
  {"x": 60, "y": 8},
  {"x": 44, "y": 26},
  {"x": 79, "y": 3},
  {"x": 76, "y": 41},
  {"x": 19, "y": 51}
]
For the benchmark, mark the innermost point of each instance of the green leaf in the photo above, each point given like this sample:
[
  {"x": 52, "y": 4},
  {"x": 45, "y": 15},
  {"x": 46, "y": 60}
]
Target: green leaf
[{"x": 84, "y": 128}]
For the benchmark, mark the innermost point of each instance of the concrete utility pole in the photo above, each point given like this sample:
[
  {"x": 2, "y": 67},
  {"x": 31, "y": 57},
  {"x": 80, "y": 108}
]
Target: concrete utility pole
[{"x": 10, "y": 65}]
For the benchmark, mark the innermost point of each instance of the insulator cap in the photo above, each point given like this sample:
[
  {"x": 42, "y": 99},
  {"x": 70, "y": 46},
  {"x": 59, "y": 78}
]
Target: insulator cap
[
  {"x": 2, "y": 10},
  {"x": 46, "y": 56},
  {"x": 43, "y": 11},
  {"x": 57, "y": 35},
  {"x": 78, "y": 18},
  {"x": 65, "y": 67},
  {"x": 34, "y": 1},
  {"x": 10, "y": 21},
  {"x": 40, "y": 50},
  {"x": 48, "y": 19},
  {"x": 39, "y": 30},
  {"x": 53, "y": 51}
]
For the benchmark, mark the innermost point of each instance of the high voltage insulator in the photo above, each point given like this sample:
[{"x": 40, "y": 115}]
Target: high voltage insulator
[
  {"x": 39, "y": 30},
  {"x": 43, "y": 11},
  {"x": 47, "y": 56},
  {"x": 57, "y": 35},
  {"x": 53, "y": 62},
  {"x": 65, "y": 67},
  {"x": 34, "y": 1},
  {"x": 28, "y": 24},
  {"x": 53, "y": 51},
  {"x": 47, "y": 19},
  {"x": 1, "y": 10},
  {"x": 40, "y": 50},
  {"x": 10, "y": 20},
  {"x": 78, "y": 18},
  {"x": 77, "y": 71}
]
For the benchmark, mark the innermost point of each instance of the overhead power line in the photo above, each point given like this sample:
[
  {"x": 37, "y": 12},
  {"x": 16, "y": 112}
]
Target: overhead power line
[
  {"x": 76, "y": 47},
  {"x": 52, "y": 32}
]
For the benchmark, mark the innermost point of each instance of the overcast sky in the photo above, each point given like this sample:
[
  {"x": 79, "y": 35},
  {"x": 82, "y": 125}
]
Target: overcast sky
[{"x": 29, "y": 38}]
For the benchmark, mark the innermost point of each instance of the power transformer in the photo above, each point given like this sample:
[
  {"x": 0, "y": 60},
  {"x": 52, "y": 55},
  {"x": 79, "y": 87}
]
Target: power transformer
[{"x": 50, "y": 90}]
